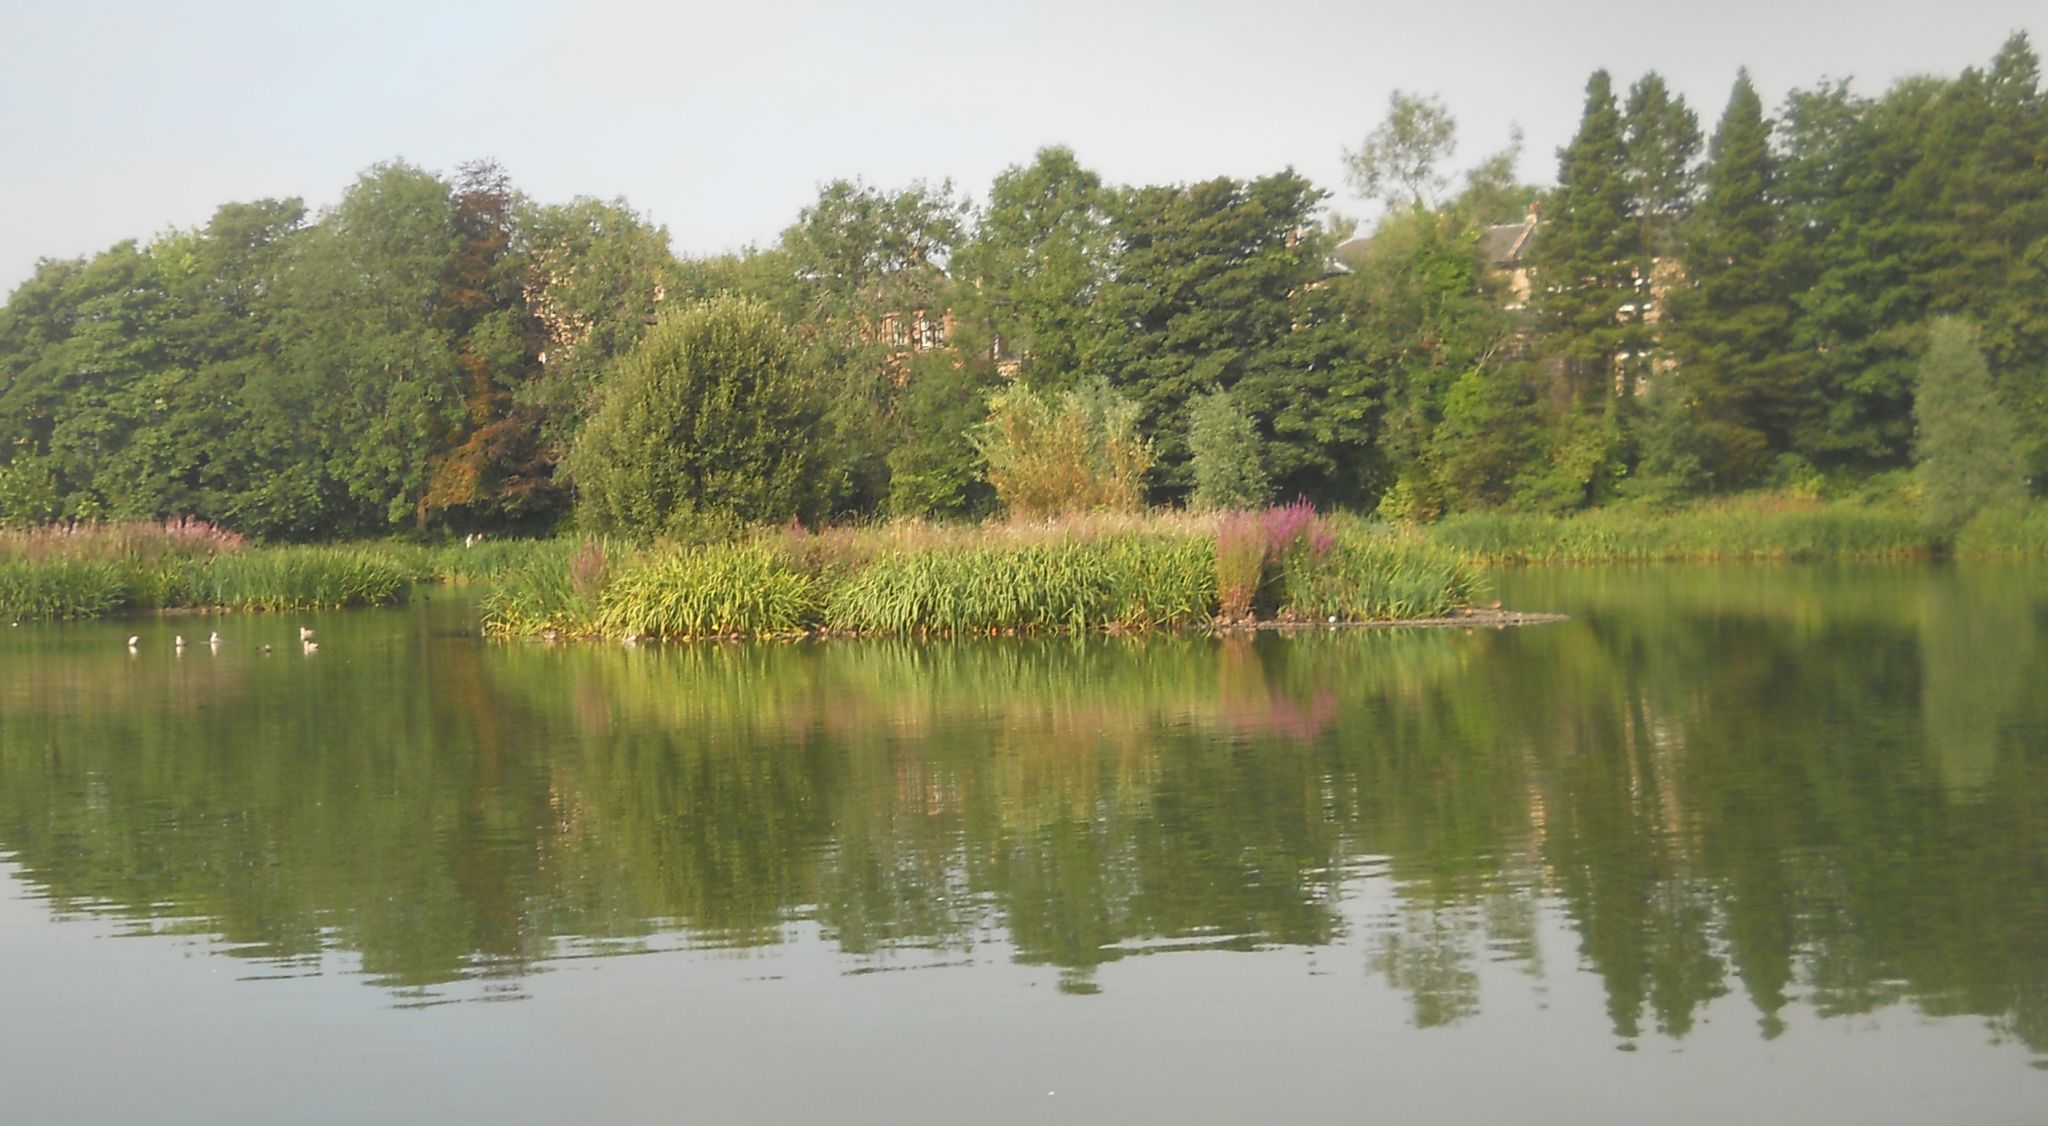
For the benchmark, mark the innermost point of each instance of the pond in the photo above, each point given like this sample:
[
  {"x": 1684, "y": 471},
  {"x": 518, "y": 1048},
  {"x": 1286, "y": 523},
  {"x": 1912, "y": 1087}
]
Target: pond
[{"x": 1732, "y": 843}]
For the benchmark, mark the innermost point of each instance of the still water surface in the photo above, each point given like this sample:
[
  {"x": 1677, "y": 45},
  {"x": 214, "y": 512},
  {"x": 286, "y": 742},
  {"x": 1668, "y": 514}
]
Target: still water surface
[{"x": 1732, "y": 844}]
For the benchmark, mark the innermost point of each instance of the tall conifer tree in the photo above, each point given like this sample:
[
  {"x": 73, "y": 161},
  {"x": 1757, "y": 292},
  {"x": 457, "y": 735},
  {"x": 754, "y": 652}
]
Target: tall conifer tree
[
  {"x": 1662, "y": 137},
  {"x": 1732, "y": 335},
  {"x": 1587, "y": 251}
]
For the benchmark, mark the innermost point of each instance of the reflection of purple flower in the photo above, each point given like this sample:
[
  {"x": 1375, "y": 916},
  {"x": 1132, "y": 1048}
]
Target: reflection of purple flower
[{"x": 1280, "y": 716}]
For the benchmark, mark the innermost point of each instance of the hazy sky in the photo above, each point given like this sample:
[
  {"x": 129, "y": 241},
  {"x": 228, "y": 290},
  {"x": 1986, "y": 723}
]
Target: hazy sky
[{"x": 123, "y": 119}]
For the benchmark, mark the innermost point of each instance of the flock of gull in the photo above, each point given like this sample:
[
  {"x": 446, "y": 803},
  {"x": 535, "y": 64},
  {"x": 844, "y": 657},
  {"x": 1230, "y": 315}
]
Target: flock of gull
[{"x": 213, "y": 643}]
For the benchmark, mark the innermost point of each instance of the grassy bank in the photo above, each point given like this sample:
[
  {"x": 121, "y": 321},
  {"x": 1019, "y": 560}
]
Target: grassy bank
[
  {"x": 1747, "y": 529},
  {"x": 1743, "y": 528},
  {"x": 1121, "y": 574},
  {"x": 87, "y": 571}
]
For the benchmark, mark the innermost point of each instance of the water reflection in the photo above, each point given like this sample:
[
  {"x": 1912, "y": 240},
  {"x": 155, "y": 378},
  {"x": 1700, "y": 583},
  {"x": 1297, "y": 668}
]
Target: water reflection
[{"x": 1826, "y": 786}]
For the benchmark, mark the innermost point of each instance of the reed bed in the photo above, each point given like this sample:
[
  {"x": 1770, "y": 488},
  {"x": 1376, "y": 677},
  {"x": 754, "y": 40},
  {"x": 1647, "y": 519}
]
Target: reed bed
[
  {"x": 2006, "y": 532},
  {"x": 549, "y": 591},
  {"x": 139, "y": 541},
  {"x": 56, "y": 589},
  {"x": 1140, "y": 581},
  {"x": 717, "y": 590},
  {"x": 297, "y": 578},
  {"x": 480, "y": 562},
  {"x": 1118, "y": 573},
  {"x": 1743, "y": 529},
  {"x": 1369, "y": 573},
  {"x": 84, "y": 571}
]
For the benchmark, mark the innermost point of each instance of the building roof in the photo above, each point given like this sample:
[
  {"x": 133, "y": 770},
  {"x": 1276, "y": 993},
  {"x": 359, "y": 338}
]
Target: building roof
[{"x": 1505, "y": 245}]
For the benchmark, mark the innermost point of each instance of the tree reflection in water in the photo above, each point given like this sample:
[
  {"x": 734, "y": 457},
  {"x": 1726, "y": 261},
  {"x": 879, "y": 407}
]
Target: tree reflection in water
[{"x": 1813, "y": 785}]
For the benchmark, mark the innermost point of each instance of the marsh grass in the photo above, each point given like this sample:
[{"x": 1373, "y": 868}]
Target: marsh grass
[
  {"x": 297, "y": 578},
  {"x": 1749, "y": 528},
  {"x": 1119, "y": 572},
  {"x": 83, "y": 571},
  {"x": 539, "y": 593},
  {"x": 134, "y": 542},
  {"x": 1376, "y": 573},
  {"x": 54, "y": 589},
  {"x": 716, "y": 590},
  {"x": 2005, "y": 531},
  {"x": 1120, "y": 581}
]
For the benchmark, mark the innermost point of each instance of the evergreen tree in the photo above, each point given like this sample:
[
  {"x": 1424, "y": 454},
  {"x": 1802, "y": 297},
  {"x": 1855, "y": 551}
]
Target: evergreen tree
[
  {"x": 1736, "y": 373},
  {"x": 1967, "y": 454},
  {"x": 1588, "y": 252},
  {"x": 1661, "y": 136},
  {"x": 1204, "y": 296},
  {"x": 1928, "y": 200}
]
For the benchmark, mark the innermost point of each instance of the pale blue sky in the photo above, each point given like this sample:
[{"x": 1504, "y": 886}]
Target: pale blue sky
[{"x": 124, "y": 119}]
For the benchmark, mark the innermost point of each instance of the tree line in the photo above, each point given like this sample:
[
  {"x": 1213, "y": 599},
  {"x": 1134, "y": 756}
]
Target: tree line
[{"x": 1704, "y": 313}]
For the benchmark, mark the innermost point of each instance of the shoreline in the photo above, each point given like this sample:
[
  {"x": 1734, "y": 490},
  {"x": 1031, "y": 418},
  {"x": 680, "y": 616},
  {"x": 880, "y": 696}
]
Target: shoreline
[{"x": 1487, "y": 618}]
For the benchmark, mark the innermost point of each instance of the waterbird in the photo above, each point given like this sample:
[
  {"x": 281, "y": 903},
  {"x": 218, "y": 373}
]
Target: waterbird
[
  {"x": 134, "y": 641},
  {"x": 214, "y": 639},
  {"x": 179, "y": 641},
  {"x": 263, "y": 649},
  {"x": 311, "y": 646},
  {"x": 305, "y": 634}
]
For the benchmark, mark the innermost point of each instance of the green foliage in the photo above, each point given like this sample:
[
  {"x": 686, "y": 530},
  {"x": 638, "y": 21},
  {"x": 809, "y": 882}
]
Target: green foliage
[
  {"x": 274, "y": 578},
  {"x": 2005, "y": 530},
  {"x": 714, "y": 413},
  {"x": 1967, "y": 455},
  {"x": 1241, "y": 564},
  {"x": 1116, "y": 574},
  {"x": 1735, "y": 400},
  {"x": 1131, "y": 582},
  {"x": 1661, "y": 137},
  {"x": 28, "y": 494},
  {"x": 865, "y": 278},
  {"x": 378, "y": 376},
  {"x": 425, "y": 353},
  {"x": 1226, "y": 463},
  {"x": 44, "y": 590},
  {"x": 1375, "y": 573},
  {"x": 1210, "y": 289},
  {"x": 289, "y": 578},
  {"x": 934, "y": 468},
  {"x": 1401, "y": 161},
  {"x": 1039, "y": 259},
  {"x": 1765, "y": 527},
  {"x": 722, "y": 590},
  {"x": 1590, "y": 251},
  {"x": 1454, "y": 422},
  {"x": 1926, "y": 200},
  {"x": 540, "y": 592},
  {"x": 1073, "y": 451}
]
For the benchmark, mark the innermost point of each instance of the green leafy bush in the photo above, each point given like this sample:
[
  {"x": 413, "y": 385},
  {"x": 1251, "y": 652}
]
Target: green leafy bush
[{"x": 714, "y": 414}]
